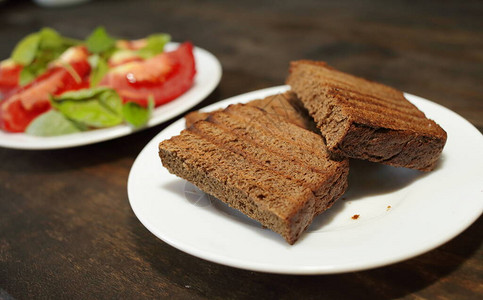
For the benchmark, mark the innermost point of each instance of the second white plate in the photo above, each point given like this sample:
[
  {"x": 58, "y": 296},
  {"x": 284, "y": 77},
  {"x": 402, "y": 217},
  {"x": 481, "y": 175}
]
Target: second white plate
[
  {"x": 207, "y": 78},
  {"x": 387, "y": 214}
]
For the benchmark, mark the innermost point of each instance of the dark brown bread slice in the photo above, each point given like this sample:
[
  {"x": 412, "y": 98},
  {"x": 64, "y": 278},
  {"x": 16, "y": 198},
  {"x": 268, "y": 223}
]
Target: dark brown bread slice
[
  {"x": 195, "y": 116},
  {"x": 286, "y": 105},
  {"x": 279, "y": 174},
  {"x": 366, "y": 120}
]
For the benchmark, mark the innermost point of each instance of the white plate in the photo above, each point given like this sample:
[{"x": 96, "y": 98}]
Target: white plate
[
  {"x": 402, "y": 212},
  {"x": 207, "y": 78}
]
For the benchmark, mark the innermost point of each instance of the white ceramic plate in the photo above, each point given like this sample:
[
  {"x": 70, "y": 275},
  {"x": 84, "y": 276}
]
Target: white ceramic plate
[
  {"x": 207, "y": 78},
  {"x": 402, "y": 213}
]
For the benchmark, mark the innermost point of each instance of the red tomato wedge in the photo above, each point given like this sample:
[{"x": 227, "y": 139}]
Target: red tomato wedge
[
  {"x": 28, "y": 102},
  {"x": 163, "y": 77},
  {"x": 9, "y": 77}
]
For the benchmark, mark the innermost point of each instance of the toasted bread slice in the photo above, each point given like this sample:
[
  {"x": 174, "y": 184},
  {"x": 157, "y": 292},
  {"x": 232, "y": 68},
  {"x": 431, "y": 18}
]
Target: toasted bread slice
[
  {"x": 271, "y": 170},
  {"x": 366, "y": 120},
  {"x": 286, "y": 105}
]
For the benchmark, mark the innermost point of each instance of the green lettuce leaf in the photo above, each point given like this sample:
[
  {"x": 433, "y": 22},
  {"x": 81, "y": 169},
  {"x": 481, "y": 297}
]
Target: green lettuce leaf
[
  {"x": 84, "y": 94},
  {"x": 95, "y": 107},
  {"x": 51, "y": 123},
  {"x": 155, "y": 45},
  {"x": 37, "y": 50},
  {"x": 99, "y": 68},
  {"x": 135, "y": 114},
  {"x": 99, "y": 41},
  {"x": 89, "y": 112},
  {"x": 50, "y": 39},
  {"x": 25, "y": 51},
  {"x": 27, "y": 75}
]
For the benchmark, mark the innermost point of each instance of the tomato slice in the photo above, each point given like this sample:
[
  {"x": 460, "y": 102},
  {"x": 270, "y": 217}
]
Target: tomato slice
[
  {"x": 9, "y": 77},
  {"x": 163, "y": 77},
  {"x": 28, "y": 102}
]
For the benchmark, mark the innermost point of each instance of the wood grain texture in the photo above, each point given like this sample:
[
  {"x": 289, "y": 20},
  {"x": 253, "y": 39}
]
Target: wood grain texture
[{"x": 66, "y": 228}]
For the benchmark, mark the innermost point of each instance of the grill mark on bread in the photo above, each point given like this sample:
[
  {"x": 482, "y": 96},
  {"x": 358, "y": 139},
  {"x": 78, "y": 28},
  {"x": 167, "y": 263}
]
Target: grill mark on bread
[
  {"x": 365, "y": 86},
  {"x": 291, "y": 150},
  {"x": 258, "y": 154},
  {"x": 364, "y": 105},
  {"x": 390, "y": 95},
  {"x": 257, "y": 177},
  {"x": 275, "y": 126},
  {"x": 366, "y": 108},
  {"x": 404, "y": 107}
]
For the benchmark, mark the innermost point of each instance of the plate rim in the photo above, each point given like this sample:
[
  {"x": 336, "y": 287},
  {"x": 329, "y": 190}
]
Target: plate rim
[{"x": 268, "y": 268}]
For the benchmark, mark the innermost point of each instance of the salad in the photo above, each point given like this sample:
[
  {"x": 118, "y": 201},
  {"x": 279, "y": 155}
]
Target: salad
[{"x": 53, "y": 85}]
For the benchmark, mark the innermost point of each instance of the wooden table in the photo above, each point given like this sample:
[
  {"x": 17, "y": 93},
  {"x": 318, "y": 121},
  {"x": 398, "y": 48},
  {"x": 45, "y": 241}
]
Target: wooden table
[{"x": 66, "y": 227}]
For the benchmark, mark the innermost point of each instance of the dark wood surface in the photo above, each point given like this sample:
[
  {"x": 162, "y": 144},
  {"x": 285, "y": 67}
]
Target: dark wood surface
[{"x": 66, "y": 227}]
